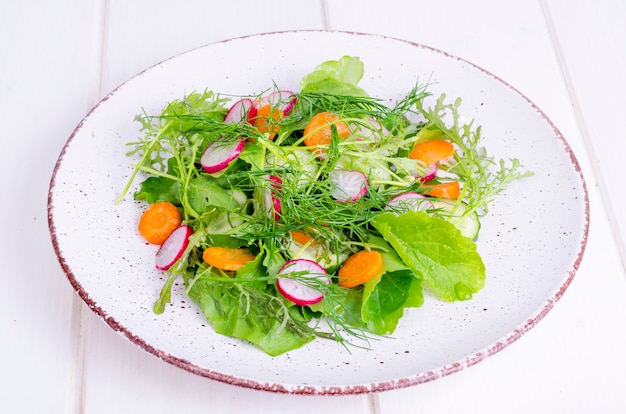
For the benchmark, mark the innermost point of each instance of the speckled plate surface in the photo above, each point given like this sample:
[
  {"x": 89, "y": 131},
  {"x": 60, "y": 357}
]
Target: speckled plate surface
[{"x": 532, "y": 242}]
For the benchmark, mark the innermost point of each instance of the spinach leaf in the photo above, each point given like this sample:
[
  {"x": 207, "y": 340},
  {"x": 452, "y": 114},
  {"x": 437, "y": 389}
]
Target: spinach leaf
[{"x": 386, "y": 302}]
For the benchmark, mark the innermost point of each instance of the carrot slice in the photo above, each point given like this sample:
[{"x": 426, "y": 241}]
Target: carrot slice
[
  {"x": 360, "y": 268},
  {"x": 158, "y": 221},
  {"x": 301, "y": 237},
  {"x": 432, "y": 151},
  {"x": 449, "y": 189},
  {"x": 319, "y": 132},
  {"x": 267, "y": 118},
  {"x": 227, "y": 258}
]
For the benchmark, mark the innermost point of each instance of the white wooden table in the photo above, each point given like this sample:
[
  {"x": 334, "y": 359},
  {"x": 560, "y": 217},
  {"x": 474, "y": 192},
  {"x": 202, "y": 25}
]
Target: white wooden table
[{"x": 58, "y": 58}]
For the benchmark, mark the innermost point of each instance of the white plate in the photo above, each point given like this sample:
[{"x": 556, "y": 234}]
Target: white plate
[{"x": 532, "y": 241}]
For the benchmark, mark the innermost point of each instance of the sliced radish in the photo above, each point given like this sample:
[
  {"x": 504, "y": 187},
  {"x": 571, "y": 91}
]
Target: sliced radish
[
  {"x": 218, "y": 155},
  {"x": 409, "y": 201},
  {"x": 272, "y": 196},
  {"x": 240, "y": 111},
  {"x": 431, "y": 172},
  {"x": 374, "y": 131},
  {"x": 173, "y": 247},
  {"x": 296, "y": 291},
  {"x": 348, "y": 185},
  {"x": 284, "y": 100}
]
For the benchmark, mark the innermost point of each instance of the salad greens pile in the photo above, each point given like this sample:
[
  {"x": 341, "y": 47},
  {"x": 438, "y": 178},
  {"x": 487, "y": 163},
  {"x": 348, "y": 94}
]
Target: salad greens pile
[{"x": 423, "y": 249}]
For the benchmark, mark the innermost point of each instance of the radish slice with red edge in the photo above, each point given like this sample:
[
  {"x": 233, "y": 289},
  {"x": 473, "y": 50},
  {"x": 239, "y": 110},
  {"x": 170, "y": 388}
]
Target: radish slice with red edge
[
  {"x": 296, "y": 291},
  {"x": 218, "y": 155},
  {"x": 375, "y": 130},
  {"x": 409, "y": 201},
  {"x": 272, "y": 196},
  {"x": 431, "y": 172},
  {"x": 348, "y": 185},
  {"x": 284, "y": 100},
  {"x": 242, "y": 110},
  {"x": 173, "y": 247}
]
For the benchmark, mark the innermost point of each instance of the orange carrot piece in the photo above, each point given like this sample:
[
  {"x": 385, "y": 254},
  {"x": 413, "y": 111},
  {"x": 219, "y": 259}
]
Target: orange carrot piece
[
  {"x": 158, "y": 221},
  {"x": 301, "y": 237},
  {"x": 227, "y": 258},
  {"x": 432, "y": 151},
  {"x": 319, "y": 132},
  {"x": 449, "y": 189},
  {"x": 360, "y": 268},
  {"x": 266, "y": 120}
]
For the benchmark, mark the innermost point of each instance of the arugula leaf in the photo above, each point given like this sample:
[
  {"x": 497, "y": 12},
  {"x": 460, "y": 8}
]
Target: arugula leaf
[
  {"x": 160, "y": 187},
  {"x": 165, "y": 295},
  {"x": 446, "y": 261},
  {"x": 154, "y": 189}
]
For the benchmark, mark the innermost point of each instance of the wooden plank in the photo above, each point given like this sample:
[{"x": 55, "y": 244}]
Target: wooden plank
[
  {"x": 514, "y": 40},
  {"x": 121, "y": 377},
  {"x": 590, "y": 42},
  {"x": 144, "y": 33},
  {"x": 45, "y": 89}
]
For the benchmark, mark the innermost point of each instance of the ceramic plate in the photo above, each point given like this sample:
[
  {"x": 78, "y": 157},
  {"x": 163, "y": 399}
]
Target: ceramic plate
[{"x": 532, "y": 241}]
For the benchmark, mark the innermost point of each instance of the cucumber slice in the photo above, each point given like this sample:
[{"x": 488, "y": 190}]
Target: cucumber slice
[{"x": 468, "y": 225}]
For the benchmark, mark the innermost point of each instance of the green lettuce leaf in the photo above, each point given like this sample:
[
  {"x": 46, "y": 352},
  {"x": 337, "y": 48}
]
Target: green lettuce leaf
[
  {"x": 239, "y": 309},
  {"x": 447, "y": 262},
  {"x": 337, "y": 77},
  {"x": 205, "y": 194}
]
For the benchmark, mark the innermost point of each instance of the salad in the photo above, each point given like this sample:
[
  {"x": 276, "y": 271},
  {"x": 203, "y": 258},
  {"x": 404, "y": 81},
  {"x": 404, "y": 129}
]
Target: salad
[{"x": 319, "y": 213}]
